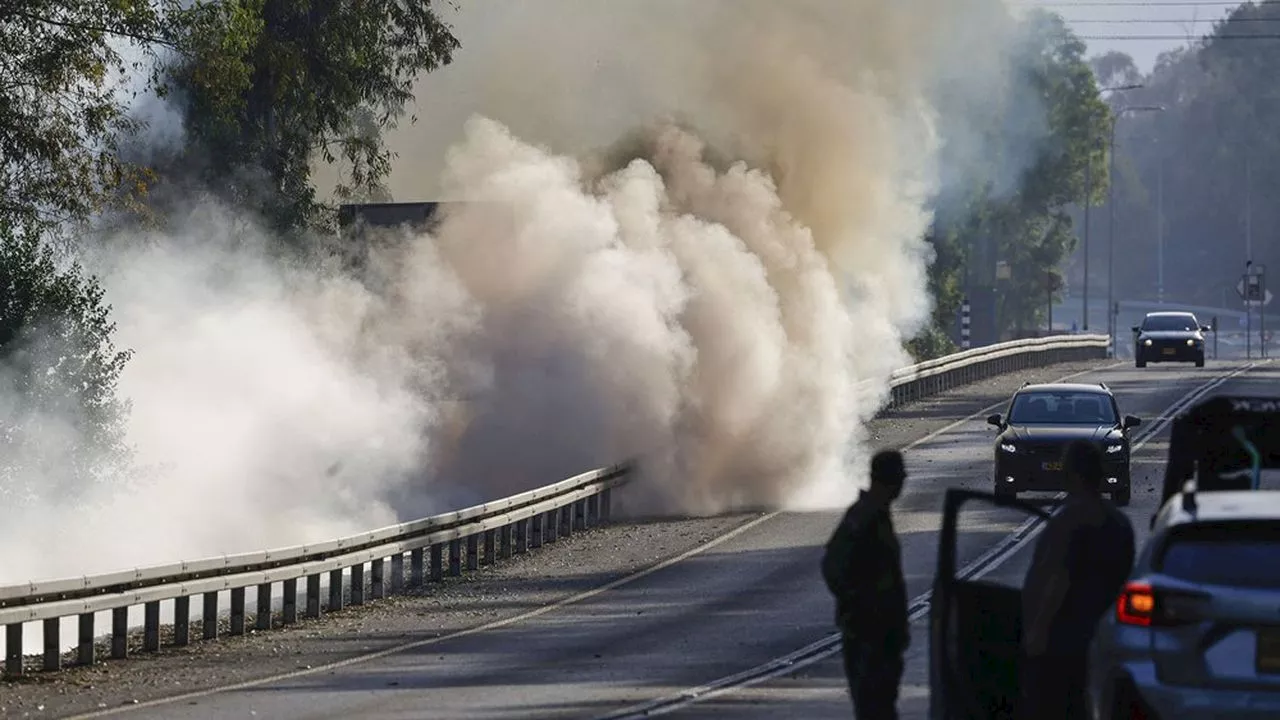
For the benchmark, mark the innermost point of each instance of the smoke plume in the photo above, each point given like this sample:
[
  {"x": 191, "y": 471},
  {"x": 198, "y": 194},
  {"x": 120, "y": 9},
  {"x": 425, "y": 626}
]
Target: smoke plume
[{"x": 687, "y": 233}]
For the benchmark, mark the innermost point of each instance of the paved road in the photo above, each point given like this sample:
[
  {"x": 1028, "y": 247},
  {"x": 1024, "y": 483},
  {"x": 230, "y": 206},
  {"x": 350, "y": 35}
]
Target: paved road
[
  {"x": 754, "y": 596},
  {"x": 818, "y": 691}
]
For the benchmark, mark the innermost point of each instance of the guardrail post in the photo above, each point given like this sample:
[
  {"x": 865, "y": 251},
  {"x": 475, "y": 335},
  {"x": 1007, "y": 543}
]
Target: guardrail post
[
  {"x": 357, "y": 584},
  {"x": 182, "y": 621},
  {"x": 335, "y": 590},
  {"x": 377, "y": 585},
  {"x": 417, "y": 566},
  {"x": 606, "y": 504},
  {"x": 13, "y": 650},
  {"x": 237, "y": 612},
  {"x": 313, "y": 596},
  {"x": 151, "y": 626},
  {"x": 535, "y": 531},
  {"x": 209, "y": 616},
  {"x": 52, "y": 644},
  {"x": 473, "y": 551},
  {"x": 397, "y": 572},
  {"x": 262, "y": 621},
  {"x": 522, "y": 536},
  {"x": 593, "y": 509},
  {"x": 120, "y": 633},
  {"x": 566, "y": 520},
  {"x": 289, "y": 608},
  {"x": 550, "y": 526},
  {"x": 88, "y": 650},
  {"x": 580, "y": 514},
  {"x": 507, "y": 541},
  {"x": 490, "y": 546},
  {"x": 437, "y": 562},
  {"x": 455, "y": 557}
]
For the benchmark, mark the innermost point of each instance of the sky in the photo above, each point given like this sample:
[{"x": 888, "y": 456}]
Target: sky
[{"x": 1108, "y": 25}]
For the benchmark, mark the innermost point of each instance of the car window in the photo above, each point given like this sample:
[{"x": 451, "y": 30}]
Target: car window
[
  {"x": 1235, "y": 554},
  {"x": 1170, "y": 323},
  {"x": 1061, "y": 408}
]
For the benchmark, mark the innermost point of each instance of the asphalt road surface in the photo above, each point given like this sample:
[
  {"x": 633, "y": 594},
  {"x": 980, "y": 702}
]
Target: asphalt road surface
[{"x": 754, "y": 596}]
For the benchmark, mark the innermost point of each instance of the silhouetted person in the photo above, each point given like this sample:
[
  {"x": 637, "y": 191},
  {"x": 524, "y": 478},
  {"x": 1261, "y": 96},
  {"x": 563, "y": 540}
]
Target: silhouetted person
[
  {"x": 863, "y": 569},
  {"x": 1080, "y": 565}
]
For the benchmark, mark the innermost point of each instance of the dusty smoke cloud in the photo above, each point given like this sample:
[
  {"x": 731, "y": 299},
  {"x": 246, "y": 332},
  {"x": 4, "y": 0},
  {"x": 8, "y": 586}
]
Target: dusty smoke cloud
[{"x": 685, "y": 232}]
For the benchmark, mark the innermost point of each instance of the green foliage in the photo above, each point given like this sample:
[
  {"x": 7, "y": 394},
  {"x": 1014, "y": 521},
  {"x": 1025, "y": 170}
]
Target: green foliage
[
  {"x": 59, "y": 115},
  {"x": 1029, "y": 228},
  {"x": 62, "y": 423},
  {"x": 269, "y": 86},
  {"x": 931, "y": 344}
]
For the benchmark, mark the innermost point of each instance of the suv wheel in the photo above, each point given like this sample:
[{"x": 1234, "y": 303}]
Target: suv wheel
[
  {"x": 1139, "y": 360},
  {"x": 1200, "y": 361},
  {"x": 1004, "y": 492}
]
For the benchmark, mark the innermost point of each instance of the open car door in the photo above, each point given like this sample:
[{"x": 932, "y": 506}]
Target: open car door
[{"x": 975, "y": 615}]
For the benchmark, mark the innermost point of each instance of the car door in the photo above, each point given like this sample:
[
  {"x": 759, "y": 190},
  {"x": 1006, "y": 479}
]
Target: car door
[{"x": 975, "y": 614}]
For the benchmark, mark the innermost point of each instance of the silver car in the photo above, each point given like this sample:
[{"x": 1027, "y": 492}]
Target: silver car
[{"x": 1196, "y": 632}]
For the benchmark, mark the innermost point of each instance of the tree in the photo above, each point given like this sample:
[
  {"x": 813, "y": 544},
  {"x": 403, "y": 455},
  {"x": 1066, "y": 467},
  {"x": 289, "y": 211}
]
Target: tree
[
  {"x": 267, "y": 86},
  {"x": 60, "y": 116},
  {"x": 1029, "y": 226},
  {"x": 62, "y": 426}
]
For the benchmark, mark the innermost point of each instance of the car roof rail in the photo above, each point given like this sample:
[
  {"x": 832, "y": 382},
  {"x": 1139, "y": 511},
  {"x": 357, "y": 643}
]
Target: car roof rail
[{"x": 1103, "y": 385}]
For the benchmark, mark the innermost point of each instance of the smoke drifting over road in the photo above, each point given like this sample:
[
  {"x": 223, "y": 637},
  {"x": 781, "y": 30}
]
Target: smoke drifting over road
[{"x": 685, "y": 232}]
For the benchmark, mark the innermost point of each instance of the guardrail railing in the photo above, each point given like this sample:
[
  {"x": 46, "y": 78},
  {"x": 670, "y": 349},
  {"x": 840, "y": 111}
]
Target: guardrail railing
[{"x": 435, "y": 546}]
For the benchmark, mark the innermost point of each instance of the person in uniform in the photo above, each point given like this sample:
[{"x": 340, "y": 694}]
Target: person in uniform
[
  {"x": 1080, "y": 564},
  {"x": 862, "y": 566}
]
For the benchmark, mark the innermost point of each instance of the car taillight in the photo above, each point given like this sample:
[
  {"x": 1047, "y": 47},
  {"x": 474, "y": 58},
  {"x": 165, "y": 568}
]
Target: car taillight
[{"x": 1146, "y": 606}]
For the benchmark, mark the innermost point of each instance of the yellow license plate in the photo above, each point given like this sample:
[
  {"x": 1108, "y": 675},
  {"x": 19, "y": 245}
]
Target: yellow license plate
[
  {"x": 1053, "y": 466},
  {"x": 1169, "y": 351},
  {"x": 1268, "y": 653}
]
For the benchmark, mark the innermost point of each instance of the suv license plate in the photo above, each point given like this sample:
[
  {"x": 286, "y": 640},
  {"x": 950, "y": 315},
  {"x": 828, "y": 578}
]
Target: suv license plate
[
  {"x": 1169, "y": 351},
  {"x": 1268, "y": 653},
  {"x": 1052, "y": 466}
]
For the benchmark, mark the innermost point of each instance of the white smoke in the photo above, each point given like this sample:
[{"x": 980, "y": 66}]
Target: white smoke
[{"x": 685, "y": 232}]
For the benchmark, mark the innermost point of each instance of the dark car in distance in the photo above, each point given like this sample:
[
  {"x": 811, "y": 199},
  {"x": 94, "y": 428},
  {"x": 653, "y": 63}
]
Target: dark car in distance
[
  {"x": 1042, "y": 419},
  {"x": 1169, "y": 337}
]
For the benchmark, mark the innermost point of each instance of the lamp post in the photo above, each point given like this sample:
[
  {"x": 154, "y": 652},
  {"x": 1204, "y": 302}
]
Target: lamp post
[
  {"x": 1088, "y": 204},
  {"x": 1111, "y": 221}
]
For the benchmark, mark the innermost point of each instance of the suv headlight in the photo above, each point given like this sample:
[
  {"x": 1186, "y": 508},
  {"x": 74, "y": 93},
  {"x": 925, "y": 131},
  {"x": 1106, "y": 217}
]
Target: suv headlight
[
  {"x": 1112, "y": 449},
  {"x": 1008, "y": 447},
  {"x": 1147, "y": 343},
  {"x": 1191, "y": 342}
]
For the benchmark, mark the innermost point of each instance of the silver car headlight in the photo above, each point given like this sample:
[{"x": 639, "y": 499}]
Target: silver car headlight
[
  {"x": 1112, "y": 449},
  {"x": 1008, "y": 447},
  {"x": 1147, "y": 343},
  {"x": 1191, "y": 342}
]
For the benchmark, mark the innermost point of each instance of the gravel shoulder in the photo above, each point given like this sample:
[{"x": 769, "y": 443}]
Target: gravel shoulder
[{"x": 554, "y": 573}]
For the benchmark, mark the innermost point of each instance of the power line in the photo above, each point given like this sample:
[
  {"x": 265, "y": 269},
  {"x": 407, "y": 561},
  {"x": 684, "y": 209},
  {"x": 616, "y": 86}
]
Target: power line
[
  {"x": 1153, "y": 21},
  {"x": 1141, "y": 3},
  {"x": 1211, "y": 38}
]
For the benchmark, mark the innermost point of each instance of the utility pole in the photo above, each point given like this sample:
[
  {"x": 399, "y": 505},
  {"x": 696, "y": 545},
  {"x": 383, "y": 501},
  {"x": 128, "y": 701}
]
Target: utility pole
[
  {"x": 1248, "y": 208},
  {"x": 1088, "y": 201},
  {"x": 1160, "y": 233}
]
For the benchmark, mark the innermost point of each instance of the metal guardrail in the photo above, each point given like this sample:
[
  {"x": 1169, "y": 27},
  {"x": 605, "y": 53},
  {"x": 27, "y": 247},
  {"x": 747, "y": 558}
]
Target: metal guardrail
[
  {"x": 486, "y": 532},
  {"x": 935, "y": 376}
]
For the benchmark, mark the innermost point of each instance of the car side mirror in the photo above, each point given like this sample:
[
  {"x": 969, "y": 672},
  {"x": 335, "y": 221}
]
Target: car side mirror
[
  {"x": 996, "y": 420},
  {"x": 1136, "y": 328},
  {"x": 1131, "y": 421},
  {"x": 1206, "y": 328}
]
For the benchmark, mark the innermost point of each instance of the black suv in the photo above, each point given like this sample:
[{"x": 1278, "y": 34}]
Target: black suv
[
  {"x": 1042, "y": 419},
  {"x": 1169, "y": 337}
]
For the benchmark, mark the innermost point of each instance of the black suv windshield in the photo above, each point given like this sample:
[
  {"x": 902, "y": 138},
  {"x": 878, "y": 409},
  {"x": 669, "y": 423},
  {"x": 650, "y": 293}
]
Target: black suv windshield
[
  {"x": 1170, "y": 323},
  {"x": 1061, "y": 408}
]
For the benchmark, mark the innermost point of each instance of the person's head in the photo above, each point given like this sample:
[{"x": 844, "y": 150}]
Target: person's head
[
  {"x": 1082, "y": 463},
  {"x": 888, "y": 473}
]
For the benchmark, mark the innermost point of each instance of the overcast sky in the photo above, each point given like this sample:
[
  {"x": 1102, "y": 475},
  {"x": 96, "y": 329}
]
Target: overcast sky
[{"x": 1111, "y": 24}]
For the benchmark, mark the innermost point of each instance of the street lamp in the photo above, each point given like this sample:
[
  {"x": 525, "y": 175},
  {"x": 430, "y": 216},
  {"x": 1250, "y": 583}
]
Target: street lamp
[
  {"x": 1111, "y": 221},
  {"x": 1088, "y": 203}
]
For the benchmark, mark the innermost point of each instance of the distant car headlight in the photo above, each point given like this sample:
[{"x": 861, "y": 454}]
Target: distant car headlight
[
  {"x": 1147, "y": 343},
  {"x": 1111, "y": 449},
  {"x": 1008, "y": 447},
  {"x": 1191, "y": 342}
]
